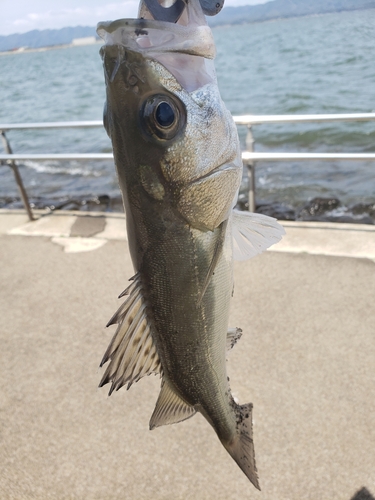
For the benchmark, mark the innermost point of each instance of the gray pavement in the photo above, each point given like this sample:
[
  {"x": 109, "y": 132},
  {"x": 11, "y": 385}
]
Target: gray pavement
[{"x": 306, "y": 360}]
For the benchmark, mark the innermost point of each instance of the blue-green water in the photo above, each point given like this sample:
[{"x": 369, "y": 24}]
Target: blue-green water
[{"x": 320, "y": 64}]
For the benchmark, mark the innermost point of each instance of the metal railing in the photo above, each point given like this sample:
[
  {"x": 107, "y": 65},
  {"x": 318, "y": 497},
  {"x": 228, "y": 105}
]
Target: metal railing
[
  {"x": 249, "y": 157},
  {"x": 263, "y": 119}
]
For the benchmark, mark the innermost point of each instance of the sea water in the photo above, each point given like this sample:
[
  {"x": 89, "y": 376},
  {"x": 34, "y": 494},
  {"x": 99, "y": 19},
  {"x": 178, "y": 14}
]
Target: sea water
[{"x": 315, "y": 64}]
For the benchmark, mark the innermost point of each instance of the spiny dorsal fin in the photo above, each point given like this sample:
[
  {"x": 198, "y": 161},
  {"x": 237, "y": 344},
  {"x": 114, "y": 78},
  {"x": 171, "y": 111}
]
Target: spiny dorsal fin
[
  {"x": 241, "y": 448},
  {"x": 170, "y": 408},
  {"x": 132, "y": 352},
  {"x": 253, "y": 233},
  {"x": 233, "y": 336}
]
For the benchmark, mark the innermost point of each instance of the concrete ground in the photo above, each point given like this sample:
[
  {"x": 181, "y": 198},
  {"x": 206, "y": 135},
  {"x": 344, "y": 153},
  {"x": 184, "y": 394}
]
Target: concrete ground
[{"x": 306, "y": 360}]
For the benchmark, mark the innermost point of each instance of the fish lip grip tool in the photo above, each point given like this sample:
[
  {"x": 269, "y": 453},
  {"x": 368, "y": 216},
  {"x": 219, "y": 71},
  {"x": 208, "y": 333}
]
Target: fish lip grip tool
[{"x": 171, "y": 11}]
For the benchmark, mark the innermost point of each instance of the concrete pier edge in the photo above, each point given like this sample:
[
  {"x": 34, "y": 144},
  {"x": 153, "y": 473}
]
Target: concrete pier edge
[{"x": 90, "y": 230}]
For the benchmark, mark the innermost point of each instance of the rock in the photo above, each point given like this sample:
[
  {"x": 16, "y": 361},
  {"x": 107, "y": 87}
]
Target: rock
[
  {"x": 277, "y": 210},
  {"x": 362, "y": 208},
  {"x": 318, "y": 207}
]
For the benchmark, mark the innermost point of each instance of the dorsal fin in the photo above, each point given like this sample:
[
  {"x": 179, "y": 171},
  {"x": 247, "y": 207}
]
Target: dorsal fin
[
  {"x": 253, "y": 233},
  {"x": 170, "y": 408},
  {"x": 132, "y": 352}
]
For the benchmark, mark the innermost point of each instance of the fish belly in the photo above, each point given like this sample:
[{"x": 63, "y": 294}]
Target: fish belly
[{"x": 190, "y": 331}]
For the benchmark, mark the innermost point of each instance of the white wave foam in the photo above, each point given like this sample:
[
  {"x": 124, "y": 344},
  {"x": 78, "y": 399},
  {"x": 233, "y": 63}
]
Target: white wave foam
[{"x": 53, "y": 167}]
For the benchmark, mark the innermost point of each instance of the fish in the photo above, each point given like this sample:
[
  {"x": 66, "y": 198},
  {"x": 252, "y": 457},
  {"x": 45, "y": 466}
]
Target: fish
[{"x": 178, "y": 161}]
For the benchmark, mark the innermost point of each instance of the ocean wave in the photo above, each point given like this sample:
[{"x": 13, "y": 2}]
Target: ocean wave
[{"x": 55, "y": 168}]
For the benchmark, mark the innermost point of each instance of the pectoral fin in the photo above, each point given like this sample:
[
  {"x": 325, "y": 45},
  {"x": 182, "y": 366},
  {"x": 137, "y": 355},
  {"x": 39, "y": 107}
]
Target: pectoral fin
[
  {"x": 215, "y": 258},
  {"x": 253, "y": 234},
  {"x": 170, "y": 408},
  {"x": 132, "y": 352}
]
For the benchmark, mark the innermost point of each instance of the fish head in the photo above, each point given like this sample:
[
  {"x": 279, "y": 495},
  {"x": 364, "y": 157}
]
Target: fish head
[{"x": 174, "y": 141}]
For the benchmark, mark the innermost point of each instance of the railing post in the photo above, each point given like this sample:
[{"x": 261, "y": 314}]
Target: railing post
[
  {"x": 251, "y": 169},
  {"x": 12, "y": 164}
]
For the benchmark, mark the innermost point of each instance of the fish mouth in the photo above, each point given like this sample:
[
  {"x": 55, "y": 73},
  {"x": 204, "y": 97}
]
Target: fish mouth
[
  {"x": 189, "y": 35},
  {"x": 181, "y": 48},
  {"x": 148, "y": 36}
]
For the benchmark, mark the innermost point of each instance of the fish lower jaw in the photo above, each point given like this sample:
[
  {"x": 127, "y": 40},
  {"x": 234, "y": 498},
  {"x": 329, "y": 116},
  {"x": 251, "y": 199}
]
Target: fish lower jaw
[{"x": 222, "y": 168}]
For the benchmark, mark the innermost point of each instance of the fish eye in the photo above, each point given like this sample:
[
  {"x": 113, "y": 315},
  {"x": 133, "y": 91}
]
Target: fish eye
[{"x": 163, "y": 116}]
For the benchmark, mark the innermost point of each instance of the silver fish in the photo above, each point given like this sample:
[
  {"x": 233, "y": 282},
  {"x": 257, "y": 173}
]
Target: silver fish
[{"x": 179, "y": 167}]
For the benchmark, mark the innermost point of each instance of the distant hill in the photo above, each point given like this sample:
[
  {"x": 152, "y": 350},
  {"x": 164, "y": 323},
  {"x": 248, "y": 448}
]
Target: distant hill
[
  {"x": 45, "y": 38},
  {"x": 286, "y": 8},
  {"x": 274, "y": 9}
]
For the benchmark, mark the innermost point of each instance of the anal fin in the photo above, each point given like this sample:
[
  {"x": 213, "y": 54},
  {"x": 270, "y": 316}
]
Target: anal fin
[{"x": 170, "y": 408}]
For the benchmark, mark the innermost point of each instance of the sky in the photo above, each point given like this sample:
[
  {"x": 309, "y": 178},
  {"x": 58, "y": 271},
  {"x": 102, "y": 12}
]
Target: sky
[{"x": 20, "y": 16}]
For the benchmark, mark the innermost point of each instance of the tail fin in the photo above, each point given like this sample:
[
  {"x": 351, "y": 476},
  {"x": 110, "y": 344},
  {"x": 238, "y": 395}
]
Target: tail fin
[{"x": 241, "y": 448}]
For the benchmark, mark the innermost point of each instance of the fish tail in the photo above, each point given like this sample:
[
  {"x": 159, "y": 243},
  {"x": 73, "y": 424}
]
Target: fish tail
[{"x": 241, "y": 447}]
